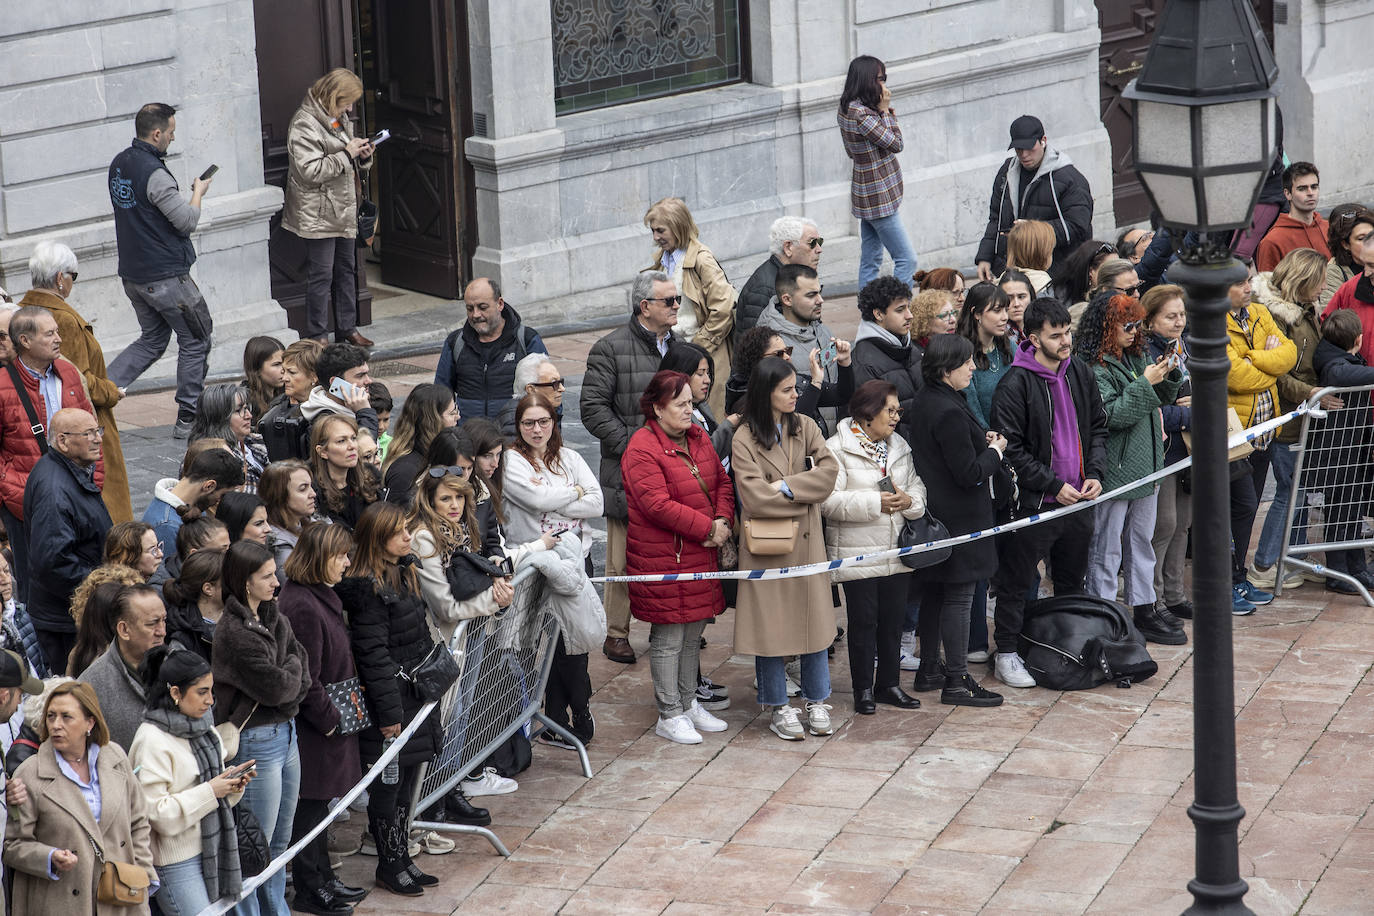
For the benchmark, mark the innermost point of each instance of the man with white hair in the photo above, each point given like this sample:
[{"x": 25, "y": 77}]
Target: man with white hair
[
  {"x": 535, "y": 373},
  {"x": 791, "y": 240}
]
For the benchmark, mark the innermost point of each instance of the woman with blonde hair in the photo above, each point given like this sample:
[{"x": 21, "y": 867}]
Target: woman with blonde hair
[
  {"x": 707, "y": 314},
  {"x": 344, "y": 486},
  {"x": 1030, "y": 249},
  {"x": 933, "y": 311},
  {"x": 324, "y": 161}
]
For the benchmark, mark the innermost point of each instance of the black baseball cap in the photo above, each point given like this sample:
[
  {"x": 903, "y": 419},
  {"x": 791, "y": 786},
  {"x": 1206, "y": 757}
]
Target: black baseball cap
[
  {"x": 1026, "y": 131},
  {"x": 14, "y": 672}
]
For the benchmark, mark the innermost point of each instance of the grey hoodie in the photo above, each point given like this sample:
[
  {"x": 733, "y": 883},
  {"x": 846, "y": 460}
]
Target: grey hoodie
[{"x": 801, "y": 338}]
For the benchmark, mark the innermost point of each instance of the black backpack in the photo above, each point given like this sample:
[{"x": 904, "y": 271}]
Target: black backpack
[
  {"x": 285, "y": 433},
  {"x": 1076, "y": 642}
]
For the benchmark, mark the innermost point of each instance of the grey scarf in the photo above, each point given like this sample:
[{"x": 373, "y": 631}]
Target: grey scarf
[{"x": 219, "y": 842}]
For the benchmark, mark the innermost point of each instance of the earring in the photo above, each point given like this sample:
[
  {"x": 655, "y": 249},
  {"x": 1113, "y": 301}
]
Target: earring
[{"x": 88, "y": 732}]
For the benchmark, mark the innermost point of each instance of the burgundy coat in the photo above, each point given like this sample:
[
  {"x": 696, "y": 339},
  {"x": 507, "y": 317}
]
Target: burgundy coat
[
  {"x": 669, "y": 518},
  {"x": 18, "y": 447},
  {"x": 316, "y": 616}
]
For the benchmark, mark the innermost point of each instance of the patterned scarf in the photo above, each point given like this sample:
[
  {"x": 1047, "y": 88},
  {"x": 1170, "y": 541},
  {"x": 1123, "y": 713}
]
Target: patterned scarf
[
  {"x": 874, "y": 450},
  {"x": 219, "y": 841}
]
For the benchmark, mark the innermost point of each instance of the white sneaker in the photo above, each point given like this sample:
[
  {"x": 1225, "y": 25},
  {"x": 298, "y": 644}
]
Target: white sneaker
[
  {"x": 703, "y": 721},
  {"x": 431, "y": 843},
  {"x": 818, "y": 718},
  {"x": 677, "y": 729},
  {"x": 911, "y": 660},
  {"x": 786, "y": 723},
  {"x": 1012, "y": 671},
  {"x": 489, "y": 783},
  {"x": 978, "y": 657},
  {"x": 1265, "y": 578}
]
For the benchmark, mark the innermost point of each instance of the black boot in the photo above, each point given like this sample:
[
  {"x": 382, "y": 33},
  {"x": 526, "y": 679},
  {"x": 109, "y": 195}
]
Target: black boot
[
  {"x": 931, "y": 676},
  {"x": 1154, "y": 628},
  {"x": 391, "y": 856},
  {"x": 419, "y": 877},
  {"x": 458, "y": 810}
]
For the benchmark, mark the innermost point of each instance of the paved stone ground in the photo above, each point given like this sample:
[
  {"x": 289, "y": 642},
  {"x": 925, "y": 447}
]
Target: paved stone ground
[{"x": 1052, "y": 803}]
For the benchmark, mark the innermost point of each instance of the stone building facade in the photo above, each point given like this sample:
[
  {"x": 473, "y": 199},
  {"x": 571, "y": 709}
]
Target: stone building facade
[{"x": 557, "y": 191}]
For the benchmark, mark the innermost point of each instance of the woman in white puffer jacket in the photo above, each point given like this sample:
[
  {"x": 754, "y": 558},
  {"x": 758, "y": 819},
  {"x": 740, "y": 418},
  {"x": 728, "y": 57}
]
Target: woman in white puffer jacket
[{"x": 876, "y": 491}]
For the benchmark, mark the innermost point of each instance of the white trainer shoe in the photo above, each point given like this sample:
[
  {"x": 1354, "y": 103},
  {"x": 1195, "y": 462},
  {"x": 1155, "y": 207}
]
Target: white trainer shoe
[
  {"x": 677, "y": 729},
  {"x": 703, "y": 721},
  {"x": 911, "y": 659},
  {"x": 1012, "y": 671},
  {"x": 489, "y": 782},
  {"x": 818, "y": 718}
]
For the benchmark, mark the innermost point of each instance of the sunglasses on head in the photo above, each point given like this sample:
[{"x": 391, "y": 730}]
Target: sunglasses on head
[{"x": 452, "y": 470}]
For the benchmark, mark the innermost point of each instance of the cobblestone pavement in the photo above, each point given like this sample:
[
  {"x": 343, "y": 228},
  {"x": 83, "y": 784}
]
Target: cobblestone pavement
[{"x": 1052, "y": 803}]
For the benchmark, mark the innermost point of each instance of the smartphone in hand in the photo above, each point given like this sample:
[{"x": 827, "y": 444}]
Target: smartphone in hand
[
  {"x": 886, "y": 485},
  {"x": 340, "y": 389},
  {"x": 828, "y": 355},
  {"x": 209, "y": 173}
]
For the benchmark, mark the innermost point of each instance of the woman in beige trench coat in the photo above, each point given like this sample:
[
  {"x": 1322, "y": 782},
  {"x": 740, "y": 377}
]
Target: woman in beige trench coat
[
  {"x": 55, "y": 825},
  {"x": 707, "y": 316},
  {"x": 783, "y": 470}
]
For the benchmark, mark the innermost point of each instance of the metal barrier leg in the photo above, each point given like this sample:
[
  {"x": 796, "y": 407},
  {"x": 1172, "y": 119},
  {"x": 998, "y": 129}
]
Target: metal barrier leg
[
  {"x": 570, "y": 738},
  {"x": 442, "y": 827}
]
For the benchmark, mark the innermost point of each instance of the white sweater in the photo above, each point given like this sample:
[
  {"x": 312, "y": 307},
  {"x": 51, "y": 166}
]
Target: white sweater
[
  {"x": 177, "y": 799},
  {"x": 538, "y": 501}
]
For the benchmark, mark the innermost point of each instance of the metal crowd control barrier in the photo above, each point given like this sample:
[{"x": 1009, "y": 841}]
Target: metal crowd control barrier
[
  {"x": 1333, "y": 486},
  {"x": 505, "y": 663}
]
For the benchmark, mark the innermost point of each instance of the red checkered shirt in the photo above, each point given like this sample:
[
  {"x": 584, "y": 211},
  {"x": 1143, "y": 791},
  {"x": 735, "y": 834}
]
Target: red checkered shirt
[{"x": 873, "y": 142}]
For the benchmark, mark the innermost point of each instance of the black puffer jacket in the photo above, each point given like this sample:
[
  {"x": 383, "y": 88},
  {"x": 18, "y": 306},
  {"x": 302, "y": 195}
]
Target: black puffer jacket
[
  {"x": 619, "y": 368},
  {"x": 1058, "y": 194},
  {"x": 875, "y": 357},
  {"x": 188, "y": 629},
  {"x": 757, "y": 293},
  {"x": 390, "y": 634}
]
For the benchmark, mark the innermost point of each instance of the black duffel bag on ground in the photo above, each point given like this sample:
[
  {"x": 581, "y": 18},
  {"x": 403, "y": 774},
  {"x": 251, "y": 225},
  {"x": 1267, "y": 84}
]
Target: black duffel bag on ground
[{"x": 1076, "y": 642}]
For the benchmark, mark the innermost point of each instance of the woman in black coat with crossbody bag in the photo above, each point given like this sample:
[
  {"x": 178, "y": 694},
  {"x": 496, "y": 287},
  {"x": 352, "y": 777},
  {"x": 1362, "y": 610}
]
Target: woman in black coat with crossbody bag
[
  {"x": 957, "y": 461},
  {"x": 390, "y": 636}
]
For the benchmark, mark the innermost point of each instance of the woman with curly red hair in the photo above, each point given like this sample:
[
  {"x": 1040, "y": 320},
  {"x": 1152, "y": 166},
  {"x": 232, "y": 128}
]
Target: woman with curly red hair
[{"x": 1134, "y": 388}]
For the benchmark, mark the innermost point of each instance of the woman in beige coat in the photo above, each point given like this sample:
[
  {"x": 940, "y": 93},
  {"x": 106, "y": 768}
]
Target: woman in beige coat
[
  {"x": 52, "y": 831},
  {"x": 707, "y": 315},
  {"x": 52, "y": 269},
  {"x": 322, "y": 202},
  {"x": 783, "y": 471}
]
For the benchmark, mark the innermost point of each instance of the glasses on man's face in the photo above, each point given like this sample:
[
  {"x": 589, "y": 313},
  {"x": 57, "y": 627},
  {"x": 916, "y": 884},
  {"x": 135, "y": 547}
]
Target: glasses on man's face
[
  {"x": 815, "y": 243},
  {"x": 947, "y": 314},
  {"x": 784, "y": 353},
  {"x": 1131, "y": 327},
  {"x": 556, "y": 383},
  {"x": 1130, "y": 291},
  {"x": 451, "y": 470},
  {"x": 540, "y": 423},
  {"x": 95, "y": 435},
  {"x": 668, "y": 301}
]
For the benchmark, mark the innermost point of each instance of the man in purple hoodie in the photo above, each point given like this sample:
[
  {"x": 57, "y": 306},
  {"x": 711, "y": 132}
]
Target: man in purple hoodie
[{"x": 1050, "y": 409}]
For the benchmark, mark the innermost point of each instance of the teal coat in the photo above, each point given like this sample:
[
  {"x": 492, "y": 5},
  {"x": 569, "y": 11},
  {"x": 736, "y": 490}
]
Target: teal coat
[
  {"x": 1135, "y": 434},
  {"x": 979, "y": 392}
]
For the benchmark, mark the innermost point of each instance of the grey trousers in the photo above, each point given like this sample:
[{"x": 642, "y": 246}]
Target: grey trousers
[
  {"x": 1173, "y": 517},
  {"x": 1121, "y": 543},
  {"x": 169, "y": 306},
  {"x": 674, "y": 654}
]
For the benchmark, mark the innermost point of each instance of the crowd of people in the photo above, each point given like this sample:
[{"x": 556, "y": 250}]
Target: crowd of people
[{"x": 318, "y": 543}]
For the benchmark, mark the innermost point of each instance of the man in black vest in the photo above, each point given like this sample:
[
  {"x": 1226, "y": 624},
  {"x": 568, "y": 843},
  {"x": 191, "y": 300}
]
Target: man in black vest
[{"x": 153, "y": 227}]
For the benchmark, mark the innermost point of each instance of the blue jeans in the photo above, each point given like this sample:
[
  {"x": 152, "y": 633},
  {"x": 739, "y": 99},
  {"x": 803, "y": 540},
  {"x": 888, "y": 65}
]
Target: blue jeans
[
  {"x": 1281, "y": 459},
  {"x": 877, "y": 234},
  {"x": 183, "y": 888},
  {"x": 771, "y": 672},
  {"x": 271, "y": 796}
]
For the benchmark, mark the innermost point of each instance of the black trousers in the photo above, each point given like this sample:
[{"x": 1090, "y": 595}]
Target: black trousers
[
  {"x": 569, "y": 689},
  {"x": 384, "y": 800},
  {"x": 876, "y": 609},
  {"x": 946, "y": 613},
  {"x": 1065, "y": 541},
  {"x": 1246, "y": 491},
  {"x": 330, "y": 283},
  {"x": 310, "y": 870},
  {"x": 56, "y": 647}
]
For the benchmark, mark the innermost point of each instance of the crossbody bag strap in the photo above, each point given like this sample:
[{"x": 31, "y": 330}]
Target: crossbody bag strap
[
  {"x": 95, "y": 847},
  {"x": 36, "y": 427}
]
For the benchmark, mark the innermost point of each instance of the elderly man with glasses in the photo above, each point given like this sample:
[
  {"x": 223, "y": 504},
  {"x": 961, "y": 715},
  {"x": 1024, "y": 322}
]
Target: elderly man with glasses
[
  {"x": 68, "y": 524},
  {"x": 791, "y": 240},
  {"x": 535, "y": 373}
]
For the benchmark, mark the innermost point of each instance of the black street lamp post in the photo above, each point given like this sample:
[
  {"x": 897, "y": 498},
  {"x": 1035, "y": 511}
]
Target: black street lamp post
[{"x": 1205, "y": 124}]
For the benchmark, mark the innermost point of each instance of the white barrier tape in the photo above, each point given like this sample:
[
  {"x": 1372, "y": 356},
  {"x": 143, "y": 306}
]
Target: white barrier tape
[{"x": 811, "y": 569}]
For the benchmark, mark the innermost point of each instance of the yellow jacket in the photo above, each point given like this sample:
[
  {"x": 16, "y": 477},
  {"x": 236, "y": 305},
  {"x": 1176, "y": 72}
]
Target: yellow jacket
[{"x": 1254, "y": 369}]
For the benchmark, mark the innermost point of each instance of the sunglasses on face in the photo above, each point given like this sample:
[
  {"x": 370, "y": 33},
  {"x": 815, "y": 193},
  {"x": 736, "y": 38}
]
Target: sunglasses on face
[
  {"x": 452, "y": 470},
  {"x": 556, "y": 383},
  {"x": 784, "y": 353},
  {"x": 668, "y": 301},
  {"x": 815, "y": 243},
  {"x": 1131, "y": 327},
  {"x": 1130, "y": 290}
]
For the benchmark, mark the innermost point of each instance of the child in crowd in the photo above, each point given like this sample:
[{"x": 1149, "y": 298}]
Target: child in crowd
[{"x": 380, "y": 398}]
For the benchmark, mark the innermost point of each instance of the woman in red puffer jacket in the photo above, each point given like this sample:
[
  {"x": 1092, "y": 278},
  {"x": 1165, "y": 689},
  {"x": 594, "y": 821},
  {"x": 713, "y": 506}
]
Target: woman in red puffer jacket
[{"x": 682, "y": 508}]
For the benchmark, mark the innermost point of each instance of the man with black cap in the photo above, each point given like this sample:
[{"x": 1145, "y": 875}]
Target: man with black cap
[{"x": 1038, "y": 183}]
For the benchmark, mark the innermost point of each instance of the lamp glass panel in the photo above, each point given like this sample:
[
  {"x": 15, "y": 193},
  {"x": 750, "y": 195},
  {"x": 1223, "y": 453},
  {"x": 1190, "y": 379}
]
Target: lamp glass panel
[
  {"x": 1173, "y": 194},
  {"x": 1233, "y": 132},
  {"x": 1230, "y": 198},
  {"x": 1162, "y": 134}
]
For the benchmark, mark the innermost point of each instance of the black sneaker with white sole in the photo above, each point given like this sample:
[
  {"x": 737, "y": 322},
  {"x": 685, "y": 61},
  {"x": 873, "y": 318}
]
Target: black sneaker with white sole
[
  {"x": 710, "y": 699},
  {"x": 553, "y": 739}
]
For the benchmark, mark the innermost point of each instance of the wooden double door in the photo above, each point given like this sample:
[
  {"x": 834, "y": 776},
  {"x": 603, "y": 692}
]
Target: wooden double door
[
  {"x": 1127, "y": 28},
  {"x": 412, "y": 58}
]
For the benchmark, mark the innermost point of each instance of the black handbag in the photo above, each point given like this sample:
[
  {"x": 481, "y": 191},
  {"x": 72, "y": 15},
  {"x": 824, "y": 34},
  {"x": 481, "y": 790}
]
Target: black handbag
[
  {"x": 347, "y": 697},
  {"x": 254, "y": 853},
  {"x": 434, "y": 675},
  {"x": 923, "y": 530}
]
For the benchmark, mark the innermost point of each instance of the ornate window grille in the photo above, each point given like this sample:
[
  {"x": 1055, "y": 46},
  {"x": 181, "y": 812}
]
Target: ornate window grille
[{"x": 606, "y": 52}]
